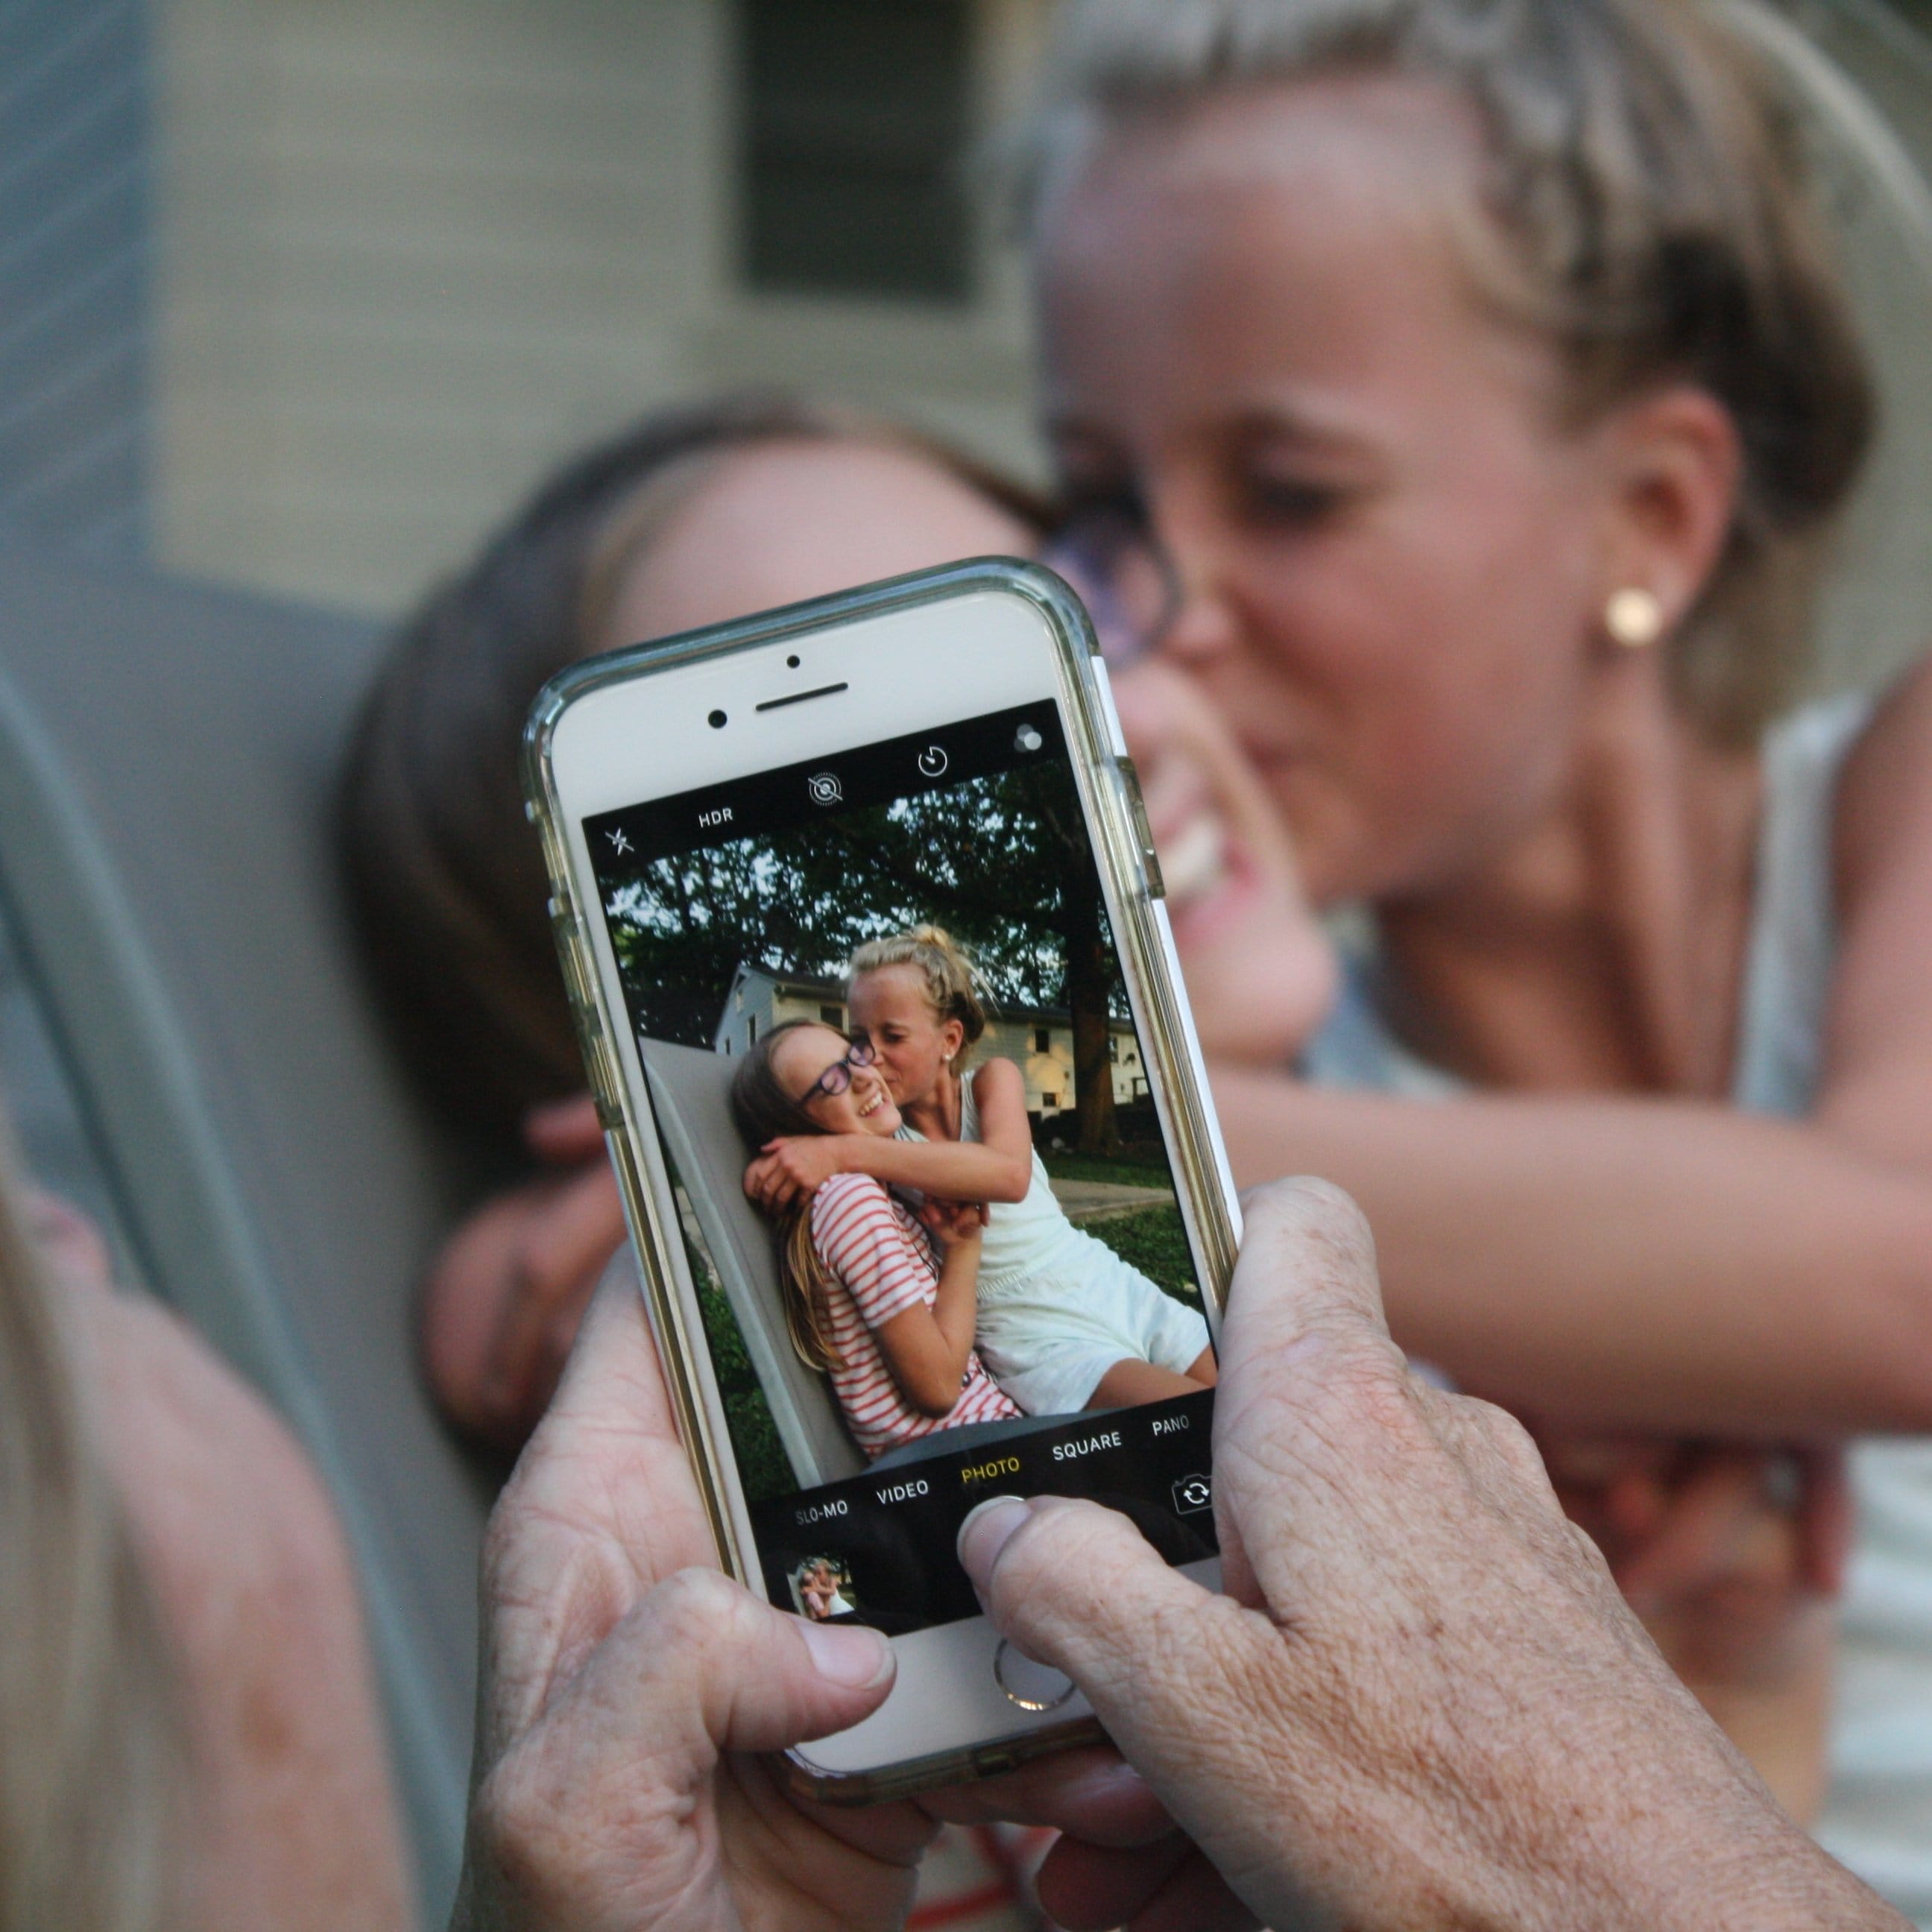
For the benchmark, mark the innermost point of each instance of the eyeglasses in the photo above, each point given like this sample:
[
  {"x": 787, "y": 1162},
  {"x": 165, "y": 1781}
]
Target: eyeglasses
[
  {"x": 837, "y": 1079},
  {"x": 1119, "y": 569}
]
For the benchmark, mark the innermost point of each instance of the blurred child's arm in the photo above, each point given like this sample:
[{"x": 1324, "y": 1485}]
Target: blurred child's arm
[
  {"x": 1732, "y": 1555},
  {"x": 501, "y": 1304}
]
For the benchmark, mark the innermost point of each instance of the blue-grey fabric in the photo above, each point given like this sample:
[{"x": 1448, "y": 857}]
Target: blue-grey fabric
[{"x": 167, "y": 757}]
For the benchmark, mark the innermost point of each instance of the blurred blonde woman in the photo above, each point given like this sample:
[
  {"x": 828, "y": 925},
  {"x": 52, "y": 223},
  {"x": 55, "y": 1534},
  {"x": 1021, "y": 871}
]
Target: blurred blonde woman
[
  {"x": 1460, "y": 397},
  {"x": 90, "y": 1745},
  {"x": 188, "y": 1731}
]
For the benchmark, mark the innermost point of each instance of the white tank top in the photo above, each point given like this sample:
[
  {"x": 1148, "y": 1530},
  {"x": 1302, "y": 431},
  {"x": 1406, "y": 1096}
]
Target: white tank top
[
  {"x": 1878, "y": 1813},
  {"x": 1023, "y": 1238}
]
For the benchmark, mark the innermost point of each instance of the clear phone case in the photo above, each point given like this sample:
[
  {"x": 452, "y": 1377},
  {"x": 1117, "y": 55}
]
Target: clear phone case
[{"x": 1130, "y": 873}]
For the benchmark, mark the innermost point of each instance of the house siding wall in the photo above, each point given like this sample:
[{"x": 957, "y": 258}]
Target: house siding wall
[{"x": 415, "y": 251}]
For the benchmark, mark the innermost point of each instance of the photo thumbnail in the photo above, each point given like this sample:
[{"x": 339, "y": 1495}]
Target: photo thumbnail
[{"x": 821, "y": 1588}]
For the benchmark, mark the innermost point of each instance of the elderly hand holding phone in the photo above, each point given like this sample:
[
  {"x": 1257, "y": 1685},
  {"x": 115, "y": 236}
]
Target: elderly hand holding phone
[{"x": 1422, "y": 1702}]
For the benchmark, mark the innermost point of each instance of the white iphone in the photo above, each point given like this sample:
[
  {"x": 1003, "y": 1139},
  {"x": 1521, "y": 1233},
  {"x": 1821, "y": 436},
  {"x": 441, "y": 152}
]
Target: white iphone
[{"x": 731, "y": 819}]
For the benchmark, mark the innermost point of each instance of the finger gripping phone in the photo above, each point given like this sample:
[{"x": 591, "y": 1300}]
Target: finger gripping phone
[{"x": 861, "y": 918}]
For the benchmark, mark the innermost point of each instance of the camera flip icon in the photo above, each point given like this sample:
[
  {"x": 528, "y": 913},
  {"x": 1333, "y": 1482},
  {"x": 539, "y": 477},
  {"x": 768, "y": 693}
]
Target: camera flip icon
[{"x": 1191, "y": 1494}]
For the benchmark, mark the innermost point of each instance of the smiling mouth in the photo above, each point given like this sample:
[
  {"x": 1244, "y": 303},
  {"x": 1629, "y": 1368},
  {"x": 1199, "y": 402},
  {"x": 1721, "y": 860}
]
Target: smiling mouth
[
  {"x": 1194, "y": 860},
  {"x": 869, "y": 1108}
]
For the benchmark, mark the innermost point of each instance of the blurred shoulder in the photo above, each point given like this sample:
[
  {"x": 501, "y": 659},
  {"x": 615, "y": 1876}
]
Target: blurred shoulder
[
  {"x": 845, "y": 1196},
  {"x": 224, "y": 1500},
  {"x": 296, "y": 1819},
  {"x": 1882, "y": 821},
  {"x": 997, "y": 1076}
]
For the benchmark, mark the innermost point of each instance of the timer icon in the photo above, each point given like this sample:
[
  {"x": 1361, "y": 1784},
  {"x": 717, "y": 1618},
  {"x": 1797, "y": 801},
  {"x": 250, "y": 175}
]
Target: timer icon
[{"x": 933, "y": 761}]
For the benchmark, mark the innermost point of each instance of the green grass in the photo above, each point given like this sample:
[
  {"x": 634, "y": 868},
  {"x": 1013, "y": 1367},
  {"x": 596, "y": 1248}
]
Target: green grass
[
  {"x": 1153, "y": 1241},
  {"x": 1096, "y": 1167}
]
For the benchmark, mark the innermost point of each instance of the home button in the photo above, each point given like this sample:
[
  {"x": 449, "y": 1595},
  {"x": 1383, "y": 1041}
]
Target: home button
[{"x": 1032, "y": 1686}]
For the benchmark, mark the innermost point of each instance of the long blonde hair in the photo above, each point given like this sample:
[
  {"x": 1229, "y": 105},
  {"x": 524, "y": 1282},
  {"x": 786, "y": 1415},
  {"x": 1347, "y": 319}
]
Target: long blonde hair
[
  {"x": 1646, "y": 199},
  {"x": 90, "y": 1741}
]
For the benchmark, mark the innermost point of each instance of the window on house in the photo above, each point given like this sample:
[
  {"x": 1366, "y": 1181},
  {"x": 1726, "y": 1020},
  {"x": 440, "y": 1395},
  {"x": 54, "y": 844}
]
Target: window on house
[
  {"x": 1048, "y": 1102},
  {"x": 750, "y": 1029},
  {"x": 855, "y": 118},
  {"x": 832, "y": 1016},
  {"x": 1042, "y": 1039},
  {"x": 1114, "y": 1046}
]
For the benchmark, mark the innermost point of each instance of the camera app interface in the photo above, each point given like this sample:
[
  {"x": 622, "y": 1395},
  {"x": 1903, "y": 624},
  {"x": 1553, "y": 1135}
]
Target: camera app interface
[{"x": 904, "y": 1129}]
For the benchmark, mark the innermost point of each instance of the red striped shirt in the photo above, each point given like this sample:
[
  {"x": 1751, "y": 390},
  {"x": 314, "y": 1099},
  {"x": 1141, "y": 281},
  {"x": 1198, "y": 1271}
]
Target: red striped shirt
[{"x": 883, "y": 1263}]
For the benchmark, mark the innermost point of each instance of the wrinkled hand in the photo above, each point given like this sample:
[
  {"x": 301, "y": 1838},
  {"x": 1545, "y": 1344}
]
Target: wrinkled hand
[
  {"x": 503, "y": 1300},
  {"x": 625, "y": 1682},
  {"x": 1422, "y": 1702},
  {"x": 794, "y": 1169},
  {"x": 1261, "y": 973}
]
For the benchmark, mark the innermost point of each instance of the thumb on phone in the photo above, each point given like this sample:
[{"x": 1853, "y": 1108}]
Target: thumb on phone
[{"x": 1078, "y": 1587}]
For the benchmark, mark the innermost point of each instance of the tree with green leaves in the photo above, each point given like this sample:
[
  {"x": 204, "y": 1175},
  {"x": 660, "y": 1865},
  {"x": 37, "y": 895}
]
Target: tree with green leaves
[{"x": 1001, "y": 862}]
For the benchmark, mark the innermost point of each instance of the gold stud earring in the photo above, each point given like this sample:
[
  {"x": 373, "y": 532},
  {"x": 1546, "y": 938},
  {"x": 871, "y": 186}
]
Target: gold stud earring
[{"x": 1634, "y": 618}]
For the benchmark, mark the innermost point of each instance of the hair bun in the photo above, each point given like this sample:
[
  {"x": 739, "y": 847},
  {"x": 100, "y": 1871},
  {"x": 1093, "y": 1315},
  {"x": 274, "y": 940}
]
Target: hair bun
[{"x": 954, "y": 985}]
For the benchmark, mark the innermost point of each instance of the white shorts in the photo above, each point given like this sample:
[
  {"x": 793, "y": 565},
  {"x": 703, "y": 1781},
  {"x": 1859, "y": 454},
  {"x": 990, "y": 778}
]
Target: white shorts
[{"x": 1047, "y": 1336}]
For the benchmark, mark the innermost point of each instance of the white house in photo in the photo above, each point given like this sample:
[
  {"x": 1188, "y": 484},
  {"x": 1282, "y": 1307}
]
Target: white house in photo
[{"x": 1038, "y": 1039}]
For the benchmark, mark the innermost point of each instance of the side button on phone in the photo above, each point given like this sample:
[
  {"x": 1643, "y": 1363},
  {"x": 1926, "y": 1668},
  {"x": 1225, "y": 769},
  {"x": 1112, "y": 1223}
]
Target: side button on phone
[
  {"x": 1032, "y": 1686},
  {"x": 1130, "y": 788},
  {"x": 601, "y": 1064}
]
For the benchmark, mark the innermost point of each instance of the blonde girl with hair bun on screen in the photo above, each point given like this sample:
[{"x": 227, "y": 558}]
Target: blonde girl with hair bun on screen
[{"x": 1064, "y": 1323}]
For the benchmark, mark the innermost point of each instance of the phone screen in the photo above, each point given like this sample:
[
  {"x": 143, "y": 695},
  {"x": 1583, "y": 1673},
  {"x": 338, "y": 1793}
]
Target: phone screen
[{"x": 734, "y": 914}]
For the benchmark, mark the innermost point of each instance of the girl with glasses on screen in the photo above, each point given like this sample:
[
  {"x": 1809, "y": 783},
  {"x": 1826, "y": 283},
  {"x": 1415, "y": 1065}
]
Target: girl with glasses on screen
[{"x": 879, "y": 1299}]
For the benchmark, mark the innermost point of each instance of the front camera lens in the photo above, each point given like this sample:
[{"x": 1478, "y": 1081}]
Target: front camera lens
[{"x": 717, "y": 721}]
